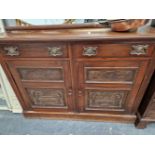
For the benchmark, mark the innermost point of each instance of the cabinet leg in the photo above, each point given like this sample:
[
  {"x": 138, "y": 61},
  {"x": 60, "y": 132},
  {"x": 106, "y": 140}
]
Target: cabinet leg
[{"x": 140, "y": 124}]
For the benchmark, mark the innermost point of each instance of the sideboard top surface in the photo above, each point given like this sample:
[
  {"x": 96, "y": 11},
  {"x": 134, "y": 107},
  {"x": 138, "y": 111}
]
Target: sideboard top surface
[{"x": 78, "y": 34}]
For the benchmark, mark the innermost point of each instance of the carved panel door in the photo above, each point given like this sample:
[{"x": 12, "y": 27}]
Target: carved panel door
[
  {"x": 109, "y": 86},
  {"x": 43, "y": 85}
]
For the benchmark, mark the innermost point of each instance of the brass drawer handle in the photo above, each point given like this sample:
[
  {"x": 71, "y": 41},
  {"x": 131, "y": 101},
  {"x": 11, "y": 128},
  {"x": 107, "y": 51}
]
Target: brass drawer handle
[
  {"x": 90, "y": 51},
  {"x": 55, "y": 51},
  {"x": 139, "y": 49},
  {"x": 11, "y": 51}
]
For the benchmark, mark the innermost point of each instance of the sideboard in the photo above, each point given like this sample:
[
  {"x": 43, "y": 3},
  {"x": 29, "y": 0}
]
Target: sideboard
[{"x": 87, "y": 73}]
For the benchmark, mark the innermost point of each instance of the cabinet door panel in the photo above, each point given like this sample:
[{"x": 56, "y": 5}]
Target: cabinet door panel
[
  {"x": 41, "y": 74},
  {"x": 43, "y": 85},
  {"x": 109, "y": 85},
  {"x": 101, "y": 99},
  {"x": 109, "y": 75},
  {"x": 47, "y": 97}
]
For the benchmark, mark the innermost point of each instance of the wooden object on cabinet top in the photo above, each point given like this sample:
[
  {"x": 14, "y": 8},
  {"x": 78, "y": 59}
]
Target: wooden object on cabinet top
[{"x": 77, "y": 34}]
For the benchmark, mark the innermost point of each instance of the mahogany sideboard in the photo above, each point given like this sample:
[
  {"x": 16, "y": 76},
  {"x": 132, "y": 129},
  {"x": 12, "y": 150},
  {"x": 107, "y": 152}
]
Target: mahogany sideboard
[
  {"x": 146, "y": 111},
  {"x": 85, "y": 73}
]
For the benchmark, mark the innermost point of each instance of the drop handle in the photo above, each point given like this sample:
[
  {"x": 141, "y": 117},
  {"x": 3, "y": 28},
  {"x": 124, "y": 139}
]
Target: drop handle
[
  {"x": 11, "y": 51},
  {"x": 70, "y": 92},
  {"x": 139, "y": 49},
  {"x": 55, "y": 51},
  {"x": 89, "y": 51}
]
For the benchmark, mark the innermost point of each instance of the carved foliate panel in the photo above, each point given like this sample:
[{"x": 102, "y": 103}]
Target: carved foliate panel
[
  {"x": 110, "y": 75},
  {"x": 45, "y": 74},
  {"x": 47, "y": 97},
  {"x": 105, "y": 99}
]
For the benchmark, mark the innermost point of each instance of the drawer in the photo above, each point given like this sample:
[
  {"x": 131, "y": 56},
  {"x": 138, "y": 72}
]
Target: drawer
[
  {"x": 35, "y": 50},
  {"x": 112, "y": 50}
]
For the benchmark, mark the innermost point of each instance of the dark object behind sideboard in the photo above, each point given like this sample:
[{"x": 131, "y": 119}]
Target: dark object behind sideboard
[
  {"x": 153, "y": 23},
  {"x": 146, "y": 112}
]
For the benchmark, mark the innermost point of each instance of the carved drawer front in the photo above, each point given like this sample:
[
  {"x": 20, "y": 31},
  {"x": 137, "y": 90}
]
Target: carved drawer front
[
  {"x": 105, "y": 99},
  {"x": 47, "y": 97},
  {"x": 112, "y": 50},
  {"x": 41, "y": 74},
  {"x": 109, "y": 75},
  {"x": 38, "y": 50}
]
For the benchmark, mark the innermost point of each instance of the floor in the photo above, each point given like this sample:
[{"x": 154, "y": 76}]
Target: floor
[{"x": 16, "y": 124}]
